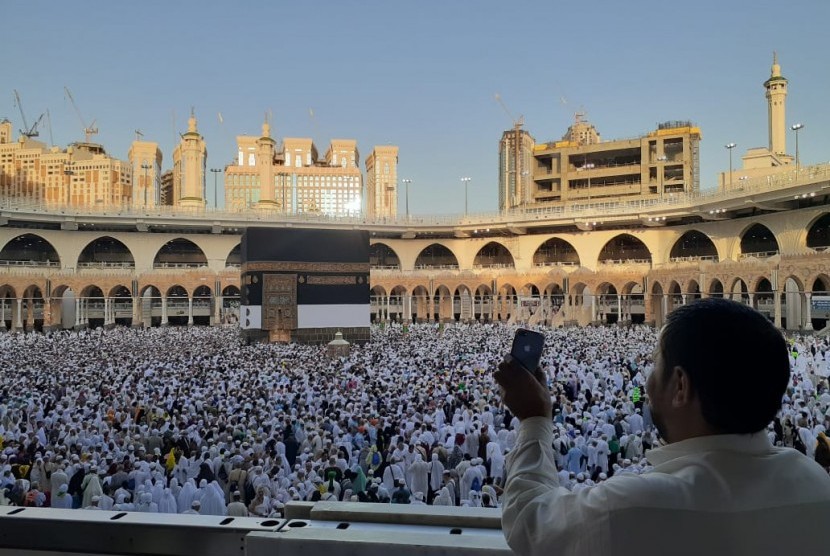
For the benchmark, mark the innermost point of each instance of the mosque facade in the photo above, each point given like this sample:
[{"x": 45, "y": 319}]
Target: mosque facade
[{"x": 762, "y": 240}]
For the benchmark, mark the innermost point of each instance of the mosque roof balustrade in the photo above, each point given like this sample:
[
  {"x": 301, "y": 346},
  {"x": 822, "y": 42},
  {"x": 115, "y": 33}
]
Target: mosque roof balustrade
[{"x": 780, "y": 187}]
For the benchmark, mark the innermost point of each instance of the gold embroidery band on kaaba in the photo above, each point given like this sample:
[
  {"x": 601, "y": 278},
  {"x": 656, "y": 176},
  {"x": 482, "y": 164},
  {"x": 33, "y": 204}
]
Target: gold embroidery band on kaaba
[
  {"x": 332, "y": 280},
  {"x": 297, "y": 266}
]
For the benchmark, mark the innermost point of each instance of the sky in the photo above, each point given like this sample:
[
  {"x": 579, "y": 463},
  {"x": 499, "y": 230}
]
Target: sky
[{"x": 421, "y": 75}]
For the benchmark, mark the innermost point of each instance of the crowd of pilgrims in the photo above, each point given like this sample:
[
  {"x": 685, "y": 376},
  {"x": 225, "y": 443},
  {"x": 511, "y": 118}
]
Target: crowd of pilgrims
[{"x": 192, "y": 420}]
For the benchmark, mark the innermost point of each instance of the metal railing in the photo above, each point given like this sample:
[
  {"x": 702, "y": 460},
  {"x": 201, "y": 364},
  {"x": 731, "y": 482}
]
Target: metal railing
[
  {"x": 758, "y": 255},
  {"x": 31, "y": 264},
  {"x": 106, "y": 264},
  {"x": 688, "y": 202}
]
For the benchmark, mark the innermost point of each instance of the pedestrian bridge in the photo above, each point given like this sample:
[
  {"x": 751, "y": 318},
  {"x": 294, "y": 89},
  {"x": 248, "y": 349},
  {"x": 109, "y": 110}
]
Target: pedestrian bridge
[{"x": 330, "y": 528}]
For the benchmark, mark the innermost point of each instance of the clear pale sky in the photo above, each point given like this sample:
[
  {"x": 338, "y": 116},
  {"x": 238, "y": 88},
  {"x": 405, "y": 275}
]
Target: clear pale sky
[{"x": 420, "y": 74}]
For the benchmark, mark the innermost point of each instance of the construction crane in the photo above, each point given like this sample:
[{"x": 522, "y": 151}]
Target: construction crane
[
  {"x": 89, "y": 130},
  {"x": 517, "y": 150},
  {"x": 49, "y": 124},
  {"x": 26, "y": 131}
]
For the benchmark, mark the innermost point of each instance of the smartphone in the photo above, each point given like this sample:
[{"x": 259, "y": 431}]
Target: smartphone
[{"x": 527, "y": 348}]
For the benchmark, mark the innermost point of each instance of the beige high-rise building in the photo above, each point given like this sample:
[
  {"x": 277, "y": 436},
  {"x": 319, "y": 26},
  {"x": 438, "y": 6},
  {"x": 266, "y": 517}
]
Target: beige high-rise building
[
  {"x": 166, "y": 188},
  {"x": 83, "y": 175},
  {"x": 515, "y": 164},
  {"x": 382, "y": 182},
  {"x": 189, "y": 168},
  {"x": 582, "y": 167},
  {"x": 145, "y": 158},
  {"x": 291, "y": 179}
]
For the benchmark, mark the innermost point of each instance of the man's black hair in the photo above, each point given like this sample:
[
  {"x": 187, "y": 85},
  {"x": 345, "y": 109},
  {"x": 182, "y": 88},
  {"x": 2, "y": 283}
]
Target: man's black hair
[{"x": 736, "y": 359}]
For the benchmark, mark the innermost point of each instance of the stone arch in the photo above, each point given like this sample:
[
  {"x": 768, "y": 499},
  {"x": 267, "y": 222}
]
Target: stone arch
[
  {"x": 694, "y": 245},
  {"x": 763, "y": 297},
  {"x": 794, "y": 303},
  {"x": 556, "y": 252},
  {"x": 442, "y": 304},
  {"x": 818, "y": 233},
  {"x": 234, "y": 258},
  {"x": 397, "y": 297},
  {"x": 382, "y": 256},
  {"x": 150, "y": 305},
  {"x": 633, "y": 299},
  {"x": 483, "y": 303},
  {"x": 92, "y": 307},
  {"x": 29, "y": 250},
  {"x": 758, "y": 241},
  {"x": 624, "y": 248},
  {"x": 202, "y": 305},
  {"x": 377, "y": 297},
  {"x": 229, "y": 312},
  {"x": 715, "y": 288},
  {"x": 820, "y": 284},
  {"x": 739, "y": 291},
  {"x": 106, "y": 252},
  {"x": 177, "y": 301},
  {"x": 122, "y": 300},
  {"x": 420, "y": 304},
  {"x": 494, "y": 255},
  {"x": 607, "y": 309},
  {"x": 33, "y": 308},
  {"x": 659, "y": 302},
  {"x": 436, "y": 255},
  {"x": 506, "y": 302},
  {"x": 692, "y": 290},
  {"x": 180, "y": 253}
]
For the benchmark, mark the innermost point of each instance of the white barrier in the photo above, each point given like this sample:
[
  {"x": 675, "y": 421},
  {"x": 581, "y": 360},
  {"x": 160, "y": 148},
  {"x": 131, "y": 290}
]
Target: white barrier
[{"x": 331, "y": 529}]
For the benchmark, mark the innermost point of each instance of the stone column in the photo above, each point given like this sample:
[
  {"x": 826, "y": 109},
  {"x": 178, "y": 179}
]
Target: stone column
[
  {"x": 664, "y": 307},
  {"x": 407, "y": 308},
  {"x": 189, "y": 311},
  {"x": 683, "y": 298},
  {"x": 18, "y": 321},
  {"x": 106, "y": 311},
  {"x": 777, "y": 305},
  {"x": 77, "y": 312},
  {"x": 136, "y": 312},
  {"x": 2, "y": 313},
  {"x": 619, "y": 308},
  {"x": 809, "y": 324},
  {"x": 593, "y": 308},
  {"x": 217, "y": 310},
  {"x": 751, "y": 299},
  {"x": 163, "y": 310},
  {"x": 85, "y": 312}
]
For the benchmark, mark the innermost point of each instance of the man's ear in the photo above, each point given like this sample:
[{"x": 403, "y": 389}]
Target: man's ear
[{"x": 682, "y": 386}]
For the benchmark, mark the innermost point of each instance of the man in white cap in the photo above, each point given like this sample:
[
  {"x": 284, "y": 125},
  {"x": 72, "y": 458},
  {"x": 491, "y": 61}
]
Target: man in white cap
[{"x": 195, "y": 506}]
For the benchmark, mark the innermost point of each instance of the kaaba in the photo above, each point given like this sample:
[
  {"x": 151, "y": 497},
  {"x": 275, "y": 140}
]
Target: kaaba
[{"x": 304, "y": 285}]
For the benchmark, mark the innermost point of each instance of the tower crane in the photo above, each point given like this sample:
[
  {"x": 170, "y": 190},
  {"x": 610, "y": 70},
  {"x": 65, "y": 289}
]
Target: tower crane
[
  {"x": 89, "y": 130},
  {"x": 517, "y": 150},
  {"x": 26, "y": 131}
]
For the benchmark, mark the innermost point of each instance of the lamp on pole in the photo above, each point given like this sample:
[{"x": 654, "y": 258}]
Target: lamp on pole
[
  {"x": 466, "y": 182},
  {"x": 406, "y": 183},
  {"x": 796, "y": 128},
  {"x": 145, "y": 167},
  {"x": 729, "y": 147},
  {"x": 68, "y": 172},
  {"x": 661, "y": 169},
  {"x": 215, "y": 187},
  {"x": 589, "y": 166}
]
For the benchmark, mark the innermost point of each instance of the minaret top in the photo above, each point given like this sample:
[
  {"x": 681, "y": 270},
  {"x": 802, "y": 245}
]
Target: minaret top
[
  {"x": 266, "y": 129},
  {"x": 191, "y": 122},
  {"x": 776, "y": 69}
]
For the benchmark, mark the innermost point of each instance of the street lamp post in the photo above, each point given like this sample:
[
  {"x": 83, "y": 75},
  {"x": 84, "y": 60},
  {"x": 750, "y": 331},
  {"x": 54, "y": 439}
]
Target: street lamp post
[
  {"x": 589, "y": 166},
  {"x": 215, "y": 187},
  {"x": 466, "y": 182},
  {"x": 729, "y": 147},
  {"x": 68, "y": 172},
  {"x": 145, "y": 167},
  {"x": 406, "y": 183},
  {"x": 661, "y": 169},
  {"x": 796, "y": 128}
]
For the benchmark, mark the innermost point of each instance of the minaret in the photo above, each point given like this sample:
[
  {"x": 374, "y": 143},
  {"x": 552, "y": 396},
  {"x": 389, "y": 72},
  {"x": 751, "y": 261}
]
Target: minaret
[
  {"x": 776, "y": 87},
  {"x": 265, "y": 161},
  {"x": 189, "y": 165}
]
